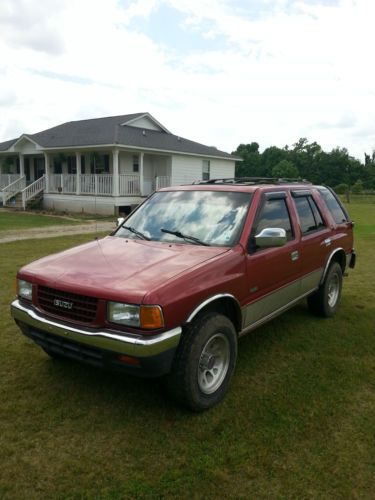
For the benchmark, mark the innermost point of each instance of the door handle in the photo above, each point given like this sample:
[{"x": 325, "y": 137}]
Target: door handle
[
  {"x": 327, "y": 242},
  {"x": 294, "y": 255}
]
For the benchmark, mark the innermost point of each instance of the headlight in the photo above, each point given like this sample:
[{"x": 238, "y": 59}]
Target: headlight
[
  {"x": 148, "y": 317},
  {"x": 25, "y": 289},
  {"x": 124, "y": 314}
]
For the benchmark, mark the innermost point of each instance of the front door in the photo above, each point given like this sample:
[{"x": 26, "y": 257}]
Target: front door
[
  {"x": 273, "y": 274},
  {"x": 39, "y": 167}
]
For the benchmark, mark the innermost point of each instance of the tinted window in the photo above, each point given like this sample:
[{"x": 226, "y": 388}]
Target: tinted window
[
  {"x": 333, "y": 205},
  {"x": 308, "y": 214},
  {"x": 213, "y": 217},
  {"x": 318, "y": 218},
  {"x": 274, "y": 213}
]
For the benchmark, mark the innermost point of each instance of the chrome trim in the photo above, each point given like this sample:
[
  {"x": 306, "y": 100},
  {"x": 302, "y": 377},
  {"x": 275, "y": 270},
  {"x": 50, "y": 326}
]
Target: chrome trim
[
  {"x": 126, "y": 343},
  {"x": 294, "y": 255},
  {"x": 274, "y": 313},
  {"x": 208, "y": 301},
  {"x": 329, "y": 262}
]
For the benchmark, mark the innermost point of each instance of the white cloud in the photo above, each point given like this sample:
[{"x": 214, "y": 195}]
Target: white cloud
[{"x": 289, "y": 69}]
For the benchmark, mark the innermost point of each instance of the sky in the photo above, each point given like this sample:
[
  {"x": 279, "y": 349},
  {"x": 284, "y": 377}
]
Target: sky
[{"x": 220, "y": 72}]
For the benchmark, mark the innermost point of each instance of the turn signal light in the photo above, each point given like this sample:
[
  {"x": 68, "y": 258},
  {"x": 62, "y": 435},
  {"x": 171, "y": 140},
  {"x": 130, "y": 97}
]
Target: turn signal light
[
  {"x": 129, "y": 360},
  {"x": 151, "y": 317}
]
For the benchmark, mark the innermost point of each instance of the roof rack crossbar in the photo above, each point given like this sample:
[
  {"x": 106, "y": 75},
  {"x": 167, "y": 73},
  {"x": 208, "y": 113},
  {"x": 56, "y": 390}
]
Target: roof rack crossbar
[{"x": 254, "y": 180}]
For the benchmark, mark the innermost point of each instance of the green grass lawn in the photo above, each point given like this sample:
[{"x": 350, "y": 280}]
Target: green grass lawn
[
  {"x": 21, "y": 220},
  {"x": 298, "y": 421}
]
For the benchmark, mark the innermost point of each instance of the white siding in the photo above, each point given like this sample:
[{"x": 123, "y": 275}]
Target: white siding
[
  {"x": 221, "y": 169},
  {"x": 126, "y": 163},
  {"x": 186, "y": 169}
]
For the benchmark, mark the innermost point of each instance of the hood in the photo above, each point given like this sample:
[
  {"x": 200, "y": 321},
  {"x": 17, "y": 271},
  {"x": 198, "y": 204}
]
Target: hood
[{"x": 116, "y": 268}]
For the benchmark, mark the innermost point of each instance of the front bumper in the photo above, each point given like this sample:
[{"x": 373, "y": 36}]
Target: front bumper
[{"x": 155, "y": 353}]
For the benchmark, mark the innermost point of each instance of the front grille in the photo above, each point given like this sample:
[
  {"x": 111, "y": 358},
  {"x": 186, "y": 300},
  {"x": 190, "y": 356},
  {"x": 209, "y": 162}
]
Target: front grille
[{"x": 68, "y": 305}]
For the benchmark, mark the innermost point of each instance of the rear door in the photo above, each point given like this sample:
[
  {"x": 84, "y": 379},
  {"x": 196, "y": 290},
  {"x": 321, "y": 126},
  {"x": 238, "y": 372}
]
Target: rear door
[
  {"x": 315, "y": 239},
  {"x": 272, "y": 273}
]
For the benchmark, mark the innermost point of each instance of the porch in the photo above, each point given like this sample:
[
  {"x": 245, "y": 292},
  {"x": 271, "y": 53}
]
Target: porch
[
  {"x": 99, "y": 173},
  {"x": 104, "y": 184}
]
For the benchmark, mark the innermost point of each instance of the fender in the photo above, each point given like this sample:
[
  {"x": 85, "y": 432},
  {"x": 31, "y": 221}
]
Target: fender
[
  {"x": 340, "y": 249},
  {"x": 212, "y": 299}
]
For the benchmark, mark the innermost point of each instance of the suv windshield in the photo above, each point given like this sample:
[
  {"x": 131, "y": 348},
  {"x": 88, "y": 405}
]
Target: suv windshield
[{"x": 194, "y": 217}]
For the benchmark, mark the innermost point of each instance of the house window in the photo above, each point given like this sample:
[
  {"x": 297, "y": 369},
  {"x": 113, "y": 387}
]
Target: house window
[
  {"x": 135, "y": 163},
  {"x": 99, "y": 163},
  {"x": 72, "y": 166},
  {"x": 205, "y": 170}
]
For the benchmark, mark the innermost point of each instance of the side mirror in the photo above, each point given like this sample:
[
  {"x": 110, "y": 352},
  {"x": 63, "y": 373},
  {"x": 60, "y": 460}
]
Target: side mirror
[
  {"x": 120, "y": 220},
  {"x": 271, "y": 237}
]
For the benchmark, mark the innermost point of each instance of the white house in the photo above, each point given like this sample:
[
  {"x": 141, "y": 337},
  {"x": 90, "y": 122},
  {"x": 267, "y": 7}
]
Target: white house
[{"x": 103, "y": 165}]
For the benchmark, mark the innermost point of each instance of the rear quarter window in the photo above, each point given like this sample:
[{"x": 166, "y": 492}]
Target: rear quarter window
[{"x": 337, "y": 212}]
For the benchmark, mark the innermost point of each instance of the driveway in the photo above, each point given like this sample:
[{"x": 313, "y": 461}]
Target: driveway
[{"x": 52, "y": 231}]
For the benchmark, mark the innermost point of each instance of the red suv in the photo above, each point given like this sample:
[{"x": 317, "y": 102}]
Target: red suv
[{"x": 185, "y": 275}]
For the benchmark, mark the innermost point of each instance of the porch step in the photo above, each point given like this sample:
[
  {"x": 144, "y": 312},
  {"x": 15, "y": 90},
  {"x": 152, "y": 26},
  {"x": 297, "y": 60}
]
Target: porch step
[{"x": 16, "y": 201}]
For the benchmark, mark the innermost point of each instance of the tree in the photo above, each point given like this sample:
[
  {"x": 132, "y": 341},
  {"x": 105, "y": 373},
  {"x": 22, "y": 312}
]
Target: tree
[
  {"x": 285, "y": 169},
  {"x": 250, "y": 166},
  {"x": 357, "y": 187}
]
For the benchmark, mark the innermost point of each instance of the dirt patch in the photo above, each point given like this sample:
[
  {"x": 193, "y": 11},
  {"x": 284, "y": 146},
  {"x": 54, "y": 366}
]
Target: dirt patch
[{"x": 52, "y": 231}]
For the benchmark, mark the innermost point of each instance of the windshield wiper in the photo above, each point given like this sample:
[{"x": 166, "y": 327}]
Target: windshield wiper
[
  {"x": 185, "y": 237},
  {"x": 138, "y": 233}
]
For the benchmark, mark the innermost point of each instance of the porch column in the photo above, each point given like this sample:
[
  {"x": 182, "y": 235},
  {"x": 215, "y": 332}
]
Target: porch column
[
  {"x": 78, "y": 173},
  {"x": 115, "y": 177},
  {"x": 22, "y": 165},
  {"x": 46, "y": 164},
  {"x": 32, "y": 169},
  {"x": 141, "y": 155}
]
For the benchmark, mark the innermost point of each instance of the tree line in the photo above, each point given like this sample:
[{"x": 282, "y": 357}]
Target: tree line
[{"x": 308, "y": 161}]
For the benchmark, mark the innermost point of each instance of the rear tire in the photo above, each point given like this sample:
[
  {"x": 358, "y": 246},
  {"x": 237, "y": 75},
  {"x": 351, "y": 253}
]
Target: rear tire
[
  {"x": 326, "y": 299},
  {"x": 204, "y": 362}
]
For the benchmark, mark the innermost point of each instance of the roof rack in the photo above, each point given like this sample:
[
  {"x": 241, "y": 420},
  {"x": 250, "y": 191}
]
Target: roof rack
[{"x": 254, "y": 180}]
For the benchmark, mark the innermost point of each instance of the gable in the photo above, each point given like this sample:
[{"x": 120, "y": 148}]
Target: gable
[
  {"x": 24, "y": 145},
  {"x": 147, "y": 122}
]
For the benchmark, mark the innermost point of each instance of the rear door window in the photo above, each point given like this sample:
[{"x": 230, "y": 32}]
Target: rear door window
[{"x": 308, "y": 214}]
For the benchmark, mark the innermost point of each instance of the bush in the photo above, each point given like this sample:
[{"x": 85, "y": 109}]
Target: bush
[
  {"x": 341, "y": 188},
  {"x": 357, "y": 187}
]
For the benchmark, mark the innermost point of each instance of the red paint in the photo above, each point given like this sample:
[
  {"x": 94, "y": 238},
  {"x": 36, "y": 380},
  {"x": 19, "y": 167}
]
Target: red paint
[{"x": 179, "y": 277}]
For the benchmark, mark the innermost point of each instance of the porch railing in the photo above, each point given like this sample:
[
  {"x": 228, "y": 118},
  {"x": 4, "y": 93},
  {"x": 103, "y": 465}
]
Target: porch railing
[
  {"x": 162, "y": 181},
  {"x": 13, "y": 189},
  {"x": 96, "y": 184},
  {"x": 129, "y": 184},
  {"x": 62, "y": 183},
  {"x": 32, "y": 190},
  {"x": 6, "y": 179}
]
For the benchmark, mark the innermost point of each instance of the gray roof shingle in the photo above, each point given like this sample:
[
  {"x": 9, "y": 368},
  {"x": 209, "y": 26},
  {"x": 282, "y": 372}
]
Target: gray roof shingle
[
  {"x": 7, "y": 144},
  {"x": 109, "y": 130}
]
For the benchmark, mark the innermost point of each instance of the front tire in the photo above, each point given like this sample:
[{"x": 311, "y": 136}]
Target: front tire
[
  {"x": 326, "y": 299},
  {"x": 204, "y": 362}
]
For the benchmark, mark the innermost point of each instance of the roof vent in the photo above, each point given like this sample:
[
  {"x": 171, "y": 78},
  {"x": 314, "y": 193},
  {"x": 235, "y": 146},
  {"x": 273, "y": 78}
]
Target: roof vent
[
  {"x": 143, "y": 132},
  {"x": 179, "y": 138}
]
